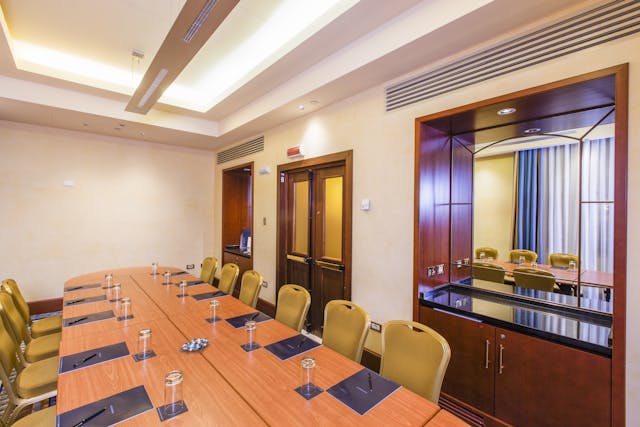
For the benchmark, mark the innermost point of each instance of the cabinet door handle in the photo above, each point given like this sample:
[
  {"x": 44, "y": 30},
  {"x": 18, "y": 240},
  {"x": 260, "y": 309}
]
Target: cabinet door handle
[
  {"x": 500, "y": 359},
  {"x": 486, "y": 354}
]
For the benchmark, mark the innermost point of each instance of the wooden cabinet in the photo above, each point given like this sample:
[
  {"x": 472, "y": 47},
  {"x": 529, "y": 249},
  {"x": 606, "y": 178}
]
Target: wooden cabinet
[
  {"x": 522, "y": 380},
  {"x": 245, "y": 263}
]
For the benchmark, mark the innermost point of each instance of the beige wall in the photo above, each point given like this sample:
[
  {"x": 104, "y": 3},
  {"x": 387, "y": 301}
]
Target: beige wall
[
  {"x": 493, "y": 192},
  {"x": 132, "y": 203},
  {"x": 383, "y": 172}
]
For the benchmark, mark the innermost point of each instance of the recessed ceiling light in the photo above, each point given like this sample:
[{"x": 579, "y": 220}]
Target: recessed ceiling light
[
  {"x": 314, "y": 102},
  {"x": 505, "y": 111},
  {"x": 532, "y": 130},
  {"x": 300, "y": 107}
]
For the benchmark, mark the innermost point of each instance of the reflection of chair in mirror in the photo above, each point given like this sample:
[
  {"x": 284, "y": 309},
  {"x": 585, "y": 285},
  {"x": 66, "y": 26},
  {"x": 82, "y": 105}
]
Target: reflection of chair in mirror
[
  {"x": 562, "y": 260},
  {"x": 535, "y": 278},
  {"x": 487, "y": 271},
  {"x": 489, "y": 252},
  {"x": 414, "y": 356},
  {"x": 529, "y": 256},
  {"x": 293, "y": 305}
]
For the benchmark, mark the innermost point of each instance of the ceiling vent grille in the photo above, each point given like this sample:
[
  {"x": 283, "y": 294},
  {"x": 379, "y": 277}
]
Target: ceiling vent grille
[
  {"x": 603, "y": 24},
  {"x": 249, "y": 147}
]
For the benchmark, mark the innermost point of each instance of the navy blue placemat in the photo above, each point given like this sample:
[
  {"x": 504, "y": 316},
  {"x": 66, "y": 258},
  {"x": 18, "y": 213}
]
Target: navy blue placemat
[
  {"x": 178, "y": 273},
  {"x": 208, "y": 295},
  {"x": 88, "y": 318},
  {"x": 80, "y": 287},
  {"x": 92, "y": 357},
  {"x": 165, "y": 412},
  {"x": 108, "y": 411},
  {"x": 560, "y": 268},
  {"x": 238, "y": 322},
  {"x": 292, "y": 346},
  {"x": 363, "y": 390},
  {"x": 85, "y": 300},
  {"x": 193, "y": 282}
]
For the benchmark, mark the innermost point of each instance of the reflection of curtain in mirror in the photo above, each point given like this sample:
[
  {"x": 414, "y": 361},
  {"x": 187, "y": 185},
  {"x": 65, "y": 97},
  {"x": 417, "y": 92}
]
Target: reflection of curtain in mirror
[
  {"x": 525, "y": 234},
  {"x": 559, "y": 202},
  {"x": 597, "y": 206}
]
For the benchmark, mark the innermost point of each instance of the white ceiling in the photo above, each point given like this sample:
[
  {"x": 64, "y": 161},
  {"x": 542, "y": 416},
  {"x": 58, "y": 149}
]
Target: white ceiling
[{"x": 369, "y": 44}]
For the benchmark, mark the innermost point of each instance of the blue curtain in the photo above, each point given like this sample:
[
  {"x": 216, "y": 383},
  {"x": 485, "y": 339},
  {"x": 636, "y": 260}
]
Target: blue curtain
[{"x": 526, "y": 221}]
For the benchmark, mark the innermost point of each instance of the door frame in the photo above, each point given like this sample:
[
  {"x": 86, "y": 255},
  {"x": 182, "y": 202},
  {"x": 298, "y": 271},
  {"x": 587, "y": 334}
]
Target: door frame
[{"x": 342, "y": 158}]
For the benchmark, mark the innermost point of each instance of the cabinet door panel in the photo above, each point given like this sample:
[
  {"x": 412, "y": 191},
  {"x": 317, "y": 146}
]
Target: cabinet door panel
[
  {"x": 470, "y": 375},
  {"x": 548, "y": 384}
]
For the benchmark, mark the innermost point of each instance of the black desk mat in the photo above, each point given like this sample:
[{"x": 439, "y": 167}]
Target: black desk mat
[
  {"x": 193, "y": 283},
  {"x": 209, "y": 295},
  {"x": 108, "y": 411},
  {"x": 92, "y": 357},
  {"x": 85, "y": 300},
  {"x": 363, "y": 390},
  {"x": 80, "y": 287},
  {"x": 291, "y": 346},
  {"x": 88, "y": 318},
  {"x": 238, "y": 322}
]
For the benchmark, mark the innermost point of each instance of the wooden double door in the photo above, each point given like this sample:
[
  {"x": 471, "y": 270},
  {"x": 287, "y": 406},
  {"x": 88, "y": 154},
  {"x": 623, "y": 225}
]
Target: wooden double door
[{"x": 315, "y": 232}]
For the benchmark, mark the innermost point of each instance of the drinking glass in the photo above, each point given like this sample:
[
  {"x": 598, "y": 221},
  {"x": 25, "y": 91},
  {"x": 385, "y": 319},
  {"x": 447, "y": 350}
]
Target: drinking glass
[
  {"x": 213, "y": 310},
  {"x": 108, "y": 278},
  {"x": 308, "y": 370},
  {"x": 114, "y": 292},
  {"x": 173, "y": 401},
  {"x": 482, "y": 256},
  {"x": 183, "y": 288},
  {"x": 250, "y": 327},
  {"x": 125, "y": 308},
  {"x": 154, "y": 268},
  {"x": 167, "y": 277},
  {"x": 144, "y": 343},
  {"x": 521, "y": 259},
  {"x": 572, "y": 265}
]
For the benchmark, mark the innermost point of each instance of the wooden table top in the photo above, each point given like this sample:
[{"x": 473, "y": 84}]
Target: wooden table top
[{"x": 223, "y": 383}]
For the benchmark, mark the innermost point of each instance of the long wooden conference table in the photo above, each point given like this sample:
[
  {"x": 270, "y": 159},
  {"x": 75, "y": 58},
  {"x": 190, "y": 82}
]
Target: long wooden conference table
[{"x": 223, "y": 384}]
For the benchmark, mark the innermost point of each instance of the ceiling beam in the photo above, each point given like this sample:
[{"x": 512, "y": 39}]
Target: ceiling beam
[{"x": 195, "y": 24}]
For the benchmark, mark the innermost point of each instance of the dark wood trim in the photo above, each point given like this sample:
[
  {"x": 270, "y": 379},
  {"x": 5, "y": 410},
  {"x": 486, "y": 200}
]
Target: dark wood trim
[
  {"x": 343, "y": 157},
  {"x": 621, "y": 73},
  {"x": 618, "y": 362},
  {"x": 45, "y": 306},
  {"x": 266, "y": 307}
]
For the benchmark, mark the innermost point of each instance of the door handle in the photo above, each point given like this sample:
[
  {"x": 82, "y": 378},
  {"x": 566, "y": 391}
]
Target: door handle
[
  {"x": 296, "y": 258},
  {"x": 500, "y": 359},
  {"x": 330, "y": 266},
  {"x": 486, "y": 354},
  {"x": 308, "y": 260}
]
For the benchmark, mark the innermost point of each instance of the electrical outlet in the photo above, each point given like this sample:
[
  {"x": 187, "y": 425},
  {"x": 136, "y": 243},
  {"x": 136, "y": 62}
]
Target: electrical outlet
[
  {"x": 190, "y": 266},
  {"x": 440, "y": 268},
  {"x": 265, "y": 284},
  {"x": 376, "y": 327},
  {"x": 431, "y": 271}
]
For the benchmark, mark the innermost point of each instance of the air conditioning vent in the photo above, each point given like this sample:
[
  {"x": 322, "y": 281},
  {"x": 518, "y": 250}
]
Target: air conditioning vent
[
  {"x": 603, "y": 24},
  {"x": 244, "y": 149}
]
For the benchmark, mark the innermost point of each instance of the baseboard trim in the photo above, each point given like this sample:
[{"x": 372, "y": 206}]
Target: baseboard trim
[
  {"x": 45, "y": 305},
  {"x": 266, "y": 307}
]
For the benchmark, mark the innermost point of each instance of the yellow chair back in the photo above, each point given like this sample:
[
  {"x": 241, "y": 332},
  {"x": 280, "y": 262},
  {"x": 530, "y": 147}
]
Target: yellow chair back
[
  {"x": 293, "y": 305},
  {"x": 529, "y": 256},
  {"x": 250, "y": 287},
  {"x": 562, "y": 260},
  {"x": 487, "y": 271},
  {"x": 345, "y": 328},
  {"x": 11, "y": 287},
  {"x": 8, "y": 350},
  {"x": 534, "y": 278},
  {"x": 228, "y": 277},
  {"x": 13, "y": 319},
  {"x": 209, "y": 267},
  {"x": 414, "y": 356},
  {"x": 488, "y": 252}
]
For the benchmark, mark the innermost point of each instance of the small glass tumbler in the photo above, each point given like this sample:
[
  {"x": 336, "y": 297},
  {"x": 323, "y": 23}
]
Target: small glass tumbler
[
  {"x": 154, "y": 268},
  {"x": 173, "y": 401},
  {"x": 534, "y": 264},
  {"x": 572, "y": 265},
  {"x": 113, "y": 293},
  {"x": 144, "y": 343},
  {"x": 108, "y": 278},
  {"x": 183, "y": 288},
  {"x": 250, "y": 327},
  {"x": 482, "y": 256},
  {"x": 125, "y": 308},
  {"x": 521, "y": 259},
  {"x": 213, "y": 310},
  {"x": 308, "y": 370}
]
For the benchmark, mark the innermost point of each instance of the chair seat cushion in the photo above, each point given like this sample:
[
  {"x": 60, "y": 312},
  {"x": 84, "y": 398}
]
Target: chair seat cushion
[
  {"x": 38, "y": 378},
  {"x": 42, "y": 418},
  {"x": 46, "y": 326},
  {"x": 42, "y": 348}
]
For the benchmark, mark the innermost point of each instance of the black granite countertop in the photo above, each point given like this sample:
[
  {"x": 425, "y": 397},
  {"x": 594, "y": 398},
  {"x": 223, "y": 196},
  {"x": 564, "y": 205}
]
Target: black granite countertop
[
  {"x": 237, "y": 251},
  {"x": 574, "y": 327}
]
